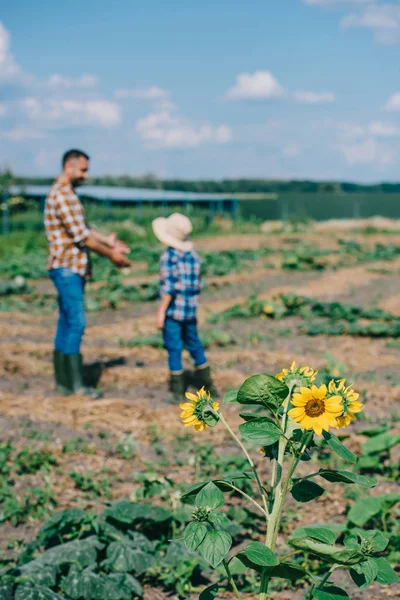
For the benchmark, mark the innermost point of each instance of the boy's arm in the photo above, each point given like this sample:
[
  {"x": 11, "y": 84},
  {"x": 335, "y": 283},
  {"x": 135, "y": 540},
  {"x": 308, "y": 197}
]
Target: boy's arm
[{"x": 162, "y": 310}]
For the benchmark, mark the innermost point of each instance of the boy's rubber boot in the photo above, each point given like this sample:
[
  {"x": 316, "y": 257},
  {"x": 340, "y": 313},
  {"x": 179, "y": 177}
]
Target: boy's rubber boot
[
  {"x": 75, "y": 377},
  {"x": 203, "y": 378},
  {"x": 60, "y": 374},
  {"x": 177, "y": 387}
]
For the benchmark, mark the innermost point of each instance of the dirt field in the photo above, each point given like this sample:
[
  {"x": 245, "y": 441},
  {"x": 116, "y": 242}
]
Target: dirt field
[{"x": 134, "y": 383}]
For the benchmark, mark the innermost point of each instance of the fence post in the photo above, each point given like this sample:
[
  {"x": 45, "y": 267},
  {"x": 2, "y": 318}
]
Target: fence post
[
  {"x": 235, "y": 207},
  {"x": 6, "y": 219},
  {"x": 139, "y": 208},
  {"x": 356, "y": 209},
  {"x": 108, "y": 210}
]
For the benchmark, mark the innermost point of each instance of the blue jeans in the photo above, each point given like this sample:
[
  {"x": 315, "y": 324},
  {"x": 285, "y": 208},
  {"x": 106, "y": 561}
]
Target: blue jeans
[
  {"x": 180, "y": 334},
  {"x": 72, "y": 320}
]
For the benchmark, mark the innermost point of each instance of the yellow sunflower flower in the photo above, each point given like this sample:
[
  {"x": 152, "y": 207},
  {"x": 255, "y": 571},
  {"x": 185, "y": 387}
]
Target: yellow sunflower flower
[
  {"x": 300, "y": 376},
  {"x": 193, "y": 411},
  {"x": 313, "y": 410},
  {"x": 351, "y": 404}
]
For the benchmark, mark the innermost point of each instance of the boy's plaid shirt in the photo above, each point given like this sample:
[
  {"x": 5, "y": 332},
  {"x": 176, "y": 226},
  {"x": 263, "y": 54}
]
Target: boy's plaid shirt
[
  {"x": 66, "y": 230},
  {"x": 181, "y": 278}
]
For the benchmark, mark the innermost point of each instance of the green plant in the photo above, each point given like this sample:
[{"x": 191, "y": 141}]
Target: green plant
[{"x": 293, "y": 410}]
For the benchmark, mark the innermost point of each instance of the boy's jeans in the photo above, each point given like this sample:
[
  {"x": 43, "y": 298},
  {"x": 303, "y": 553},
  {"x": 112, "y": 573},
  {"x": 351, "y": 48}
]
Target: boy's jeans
[
  {"x": 180, "y": 334},
  {"x": 72, "y": 320}
]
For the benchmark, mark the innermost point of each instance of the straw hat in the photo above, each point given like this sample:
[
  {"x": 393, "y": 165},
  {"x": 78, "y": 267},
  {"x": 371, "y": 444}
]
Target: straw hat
[{"x": 174, "y": 231}]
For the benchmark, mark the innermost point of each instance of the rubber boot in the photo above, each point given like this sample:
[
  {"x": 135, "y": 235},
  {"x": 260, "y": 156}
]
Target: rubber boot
[
  {"x": 75, "y": 377},
  {"x": 203, "y": 378},
  {"x": 177, "y": 388},
  {"x": 60, "y": 374}
]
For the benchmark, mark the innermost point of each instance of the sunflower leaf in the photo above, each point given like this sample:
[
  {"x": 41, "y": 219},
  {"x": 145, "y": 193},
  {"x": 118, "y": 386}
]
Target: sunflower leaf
[
  {"x": 306, "y": 490},
  {"x": 330, "y": 592},
  {"x": 336, "y": 445},
  {"x": 262, "y": 431},
  {"x": 215, "y": 547},
  {"x": 210, "y": 497},
  {"x": 347, "y": 477},
  {"x": 194, "y": 534},
  {"x": 263, "y": 389},
  {"x": 386, "y": 575},
  {"x": 364, "y": 573},
  {"x": 210, "y": 592},
  {"x": 328, "y": 552}
]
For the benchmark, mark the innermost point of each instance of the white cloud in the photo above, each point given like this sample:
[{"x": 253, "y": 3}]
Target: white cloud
[
  {"x": 368, "y": 151},
  {"x": 394, "y": 102},
  {"x": 3, "y": 110},
  {"x": 165, "y": 129},
  {"x": 57, "y": 81},
  {"x": 9, "y": 69},
  {"x": 151, "y": 93},
  {"x": 21, "y": 134},
  {"x": 258, "y": 85},
  {"x": 383, "y": 20},
  {"x": 350, "y": 130},
  {"x": 380, "y": 129},
  {"x": 56, "y": 112},
  {"x": 314, "y": 97}
]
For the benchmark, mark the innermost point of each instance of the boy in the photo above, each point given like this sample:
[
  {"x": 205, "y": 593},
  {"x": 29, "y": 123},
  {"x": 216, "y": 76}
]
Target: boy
[{"x": 176, "y": 316}]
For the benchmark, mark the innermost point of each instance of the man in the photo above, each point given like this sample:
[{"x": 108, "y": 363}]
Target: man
[{"x": 70, "y": 239}]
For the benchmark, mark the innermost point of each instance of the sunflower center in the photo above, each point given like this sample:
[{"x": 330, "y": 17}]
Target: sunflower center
[{"x": 315, "y": 407}]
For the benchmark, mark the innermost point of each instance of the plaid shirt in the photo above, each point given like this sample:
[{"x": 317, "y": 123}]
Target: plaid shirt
[
  {"x": 66, "y": 230},
  {"x": 180, "y": 277}
]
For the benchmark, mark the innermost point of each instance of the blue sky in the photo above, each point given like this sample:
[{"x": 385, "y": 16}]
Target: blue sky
[{"x": 233, "y": 88}]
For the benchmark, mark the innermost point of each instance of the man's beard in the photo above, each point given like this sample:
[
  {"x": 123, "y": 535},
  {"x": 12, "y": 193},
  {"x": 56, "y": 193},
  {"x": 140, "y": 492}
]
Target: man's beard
[{"x": 77, "y": 182}]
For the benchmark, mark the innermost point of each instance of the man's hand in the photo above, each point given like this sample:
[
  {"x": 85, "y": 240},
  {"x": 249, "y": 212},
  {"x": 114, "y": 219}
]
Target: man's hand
[
  {"x": 114, "y": 242},
  {"x": 117, "y": 257},
  {"x": 160, "y": 320}
]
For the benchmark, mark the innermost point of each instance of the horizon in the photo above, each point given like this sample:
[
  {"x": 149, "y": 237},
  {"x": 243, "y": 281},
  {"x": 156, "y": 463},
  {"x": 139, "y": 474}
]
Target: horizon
[{"x": 304, "y": 91}]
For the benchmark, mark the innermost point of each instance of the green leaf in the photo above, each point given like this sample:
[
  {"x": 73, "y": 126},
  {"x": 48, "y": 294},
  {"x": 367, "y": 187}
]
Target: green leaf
[
  {"x": 364, "y": 573},
  {"x": 210, "y": 418},
  {"x": 287, "y": 571},
  {"x": 330, "y": 592},
  {"x": 124, "y": 559},
  {"x": 380, "y": 443},
  {"x": 215, "y": 547},
  {"x": 120, "y": 586},
  {"x": 81, "y": 584},
  {"x": 306, "y": 490},
  {"x": 336, "y": 445},
  {"x": 330, "y": 553},
  {"x": 322, "y": 534},
  {"x": 259, "y": 554},
  {"x": 265, "y": 390},
  {"x": 38, "y": 592},
  {"x": 247, "y": 416},
  {"x": 194, "y": 534},
  {"x": 129, "y": 513},
  {"x": 261, "y": 431},
  {"x": 210, "y": 592},
  {"x": 218, "y": 520},
  {"x": 363, "y": 510},
  {"x": 230, "y": 397},
  {"x": 83, "y": 552},
  {"x": 386, "y": 575},
  {"x": 377, "y": 540},
  {"x": 210, "y": 497},
  {"x": 347, "y": 477}
]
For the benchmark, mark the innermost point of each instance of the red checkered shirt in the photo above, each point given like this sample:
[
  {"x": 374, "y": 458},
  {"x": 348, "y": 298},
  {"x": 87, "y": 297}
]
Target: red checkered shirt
[{"x": 66, "y": 230}]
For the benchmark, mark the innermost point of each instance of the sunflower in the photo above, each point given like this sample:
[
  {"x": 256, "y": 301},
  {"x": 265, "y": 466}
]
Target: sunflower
[
  {"x": 299, "y": 376},
  {"x": 350, "y": 402},
  {"x": 314, "y": 410},
  {"x": 192, "y": 414}
]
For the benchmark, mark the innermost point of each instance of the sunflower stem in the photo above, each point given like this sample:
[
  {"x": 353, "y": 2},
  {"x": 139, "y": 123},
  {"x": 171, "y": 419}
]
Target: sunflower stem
[
  {"x": 276, "y": 491},
  {"x": 231, "y": 580},
  {"x": 320, "y": 583},
  {"x": 279, "y": 501},
  {"x": 264, "y": 585},
  {"x": 247, "y": 496},
  {"x": 251, "y": 463}
]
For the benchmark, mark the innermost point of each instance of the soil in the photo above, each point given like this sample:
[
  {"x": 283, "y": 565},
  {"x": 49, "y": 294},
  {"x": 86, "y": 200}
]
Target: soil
[{"x": 134, "y": 381}]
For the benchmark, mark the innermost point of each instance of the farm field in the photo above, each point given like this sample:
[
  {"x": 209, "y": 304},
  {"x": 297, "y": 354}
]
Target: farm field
[{"x": 330, "y": 300}]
